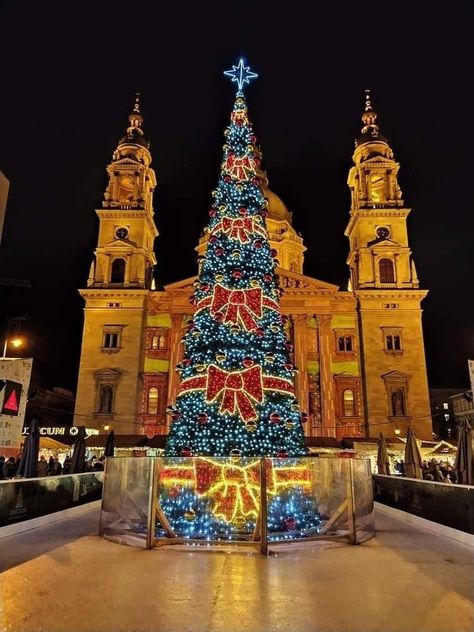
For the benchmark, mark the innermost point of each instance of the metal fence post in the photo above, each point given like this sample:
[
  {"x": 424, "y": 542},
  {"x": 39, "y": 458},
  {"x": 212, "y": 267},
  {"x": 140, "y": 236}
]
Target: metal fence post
[
  {"x": 263, "y": 507},
  {"x": 351, "y": 508},
  {"x": 150, "y": 521}
]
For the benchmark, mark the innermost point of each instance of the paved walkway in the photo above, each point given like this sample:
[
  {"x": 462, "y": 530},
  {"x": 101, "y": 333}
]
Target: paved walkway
[{"x": 64, "y": 578}]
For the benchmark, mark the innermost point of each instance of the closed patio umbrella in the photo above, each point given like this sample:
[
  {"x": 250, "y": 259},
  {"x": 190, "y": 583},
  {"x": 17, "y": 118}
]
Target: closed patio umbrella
[
  {"x": 464, "y": 464},
  {"x": 78, "y": 459},
  {"x": 109, "y": 444},
  {"x": 383, "y": 462},
  {"x": 29, "y": 459},
  {"x": 413, "y": 461}
]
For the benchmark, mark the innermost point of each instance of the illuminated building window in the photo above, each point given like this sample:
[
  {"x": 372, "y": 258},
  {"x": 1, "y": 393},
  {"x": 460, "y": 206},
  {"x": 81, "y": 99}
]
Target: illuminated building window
[
  {"x": 152, "y": 407},
  {"x": 386, "y": 270},
  {"x": 118, "y": 271},
  {"x": 158, "y": 342},
  {"x": 348, "y": 403},
  {"x": 393, "y": 343},
  {"x": 445, "y": 405},
  {"x": 344, "y": 343},
  {"x": 112, "y": 338}
]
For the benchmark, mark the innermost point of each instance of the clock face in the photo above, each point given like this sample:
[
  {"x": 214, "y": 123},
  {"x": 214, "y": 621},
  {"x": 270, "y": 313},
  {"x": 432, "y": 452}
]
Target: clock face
[
  {"x": 121, "y": 233},
  {"x": 383, "y": 232}
]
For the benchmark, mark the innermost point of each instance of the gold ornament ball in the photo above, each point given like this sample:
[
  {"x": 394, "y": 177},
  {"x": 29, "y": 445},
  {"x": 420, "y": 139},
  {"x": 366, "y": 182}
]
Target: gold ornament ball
[{"x": 190, "y": 515}]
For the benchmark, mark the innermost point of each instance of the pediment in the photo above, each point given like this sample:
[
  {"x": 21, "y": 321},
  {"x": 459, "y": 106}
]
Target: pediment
[
  {"x": 185, "y": 284},
  {"x": 119, "y": 243},
  {"x": 395, "y": 375},
  {"x": 294, "y": 280},
  {"x": 383, "y": 242},
  {"x": 110, "y": 374},
  {"x": 125, "y": 162},
  {"x": 288, "y": 281}
]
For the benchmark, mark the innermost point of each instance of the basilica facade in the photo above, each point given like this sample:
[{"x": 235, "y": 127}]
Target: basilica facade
[{"x": 359, "y": 352}]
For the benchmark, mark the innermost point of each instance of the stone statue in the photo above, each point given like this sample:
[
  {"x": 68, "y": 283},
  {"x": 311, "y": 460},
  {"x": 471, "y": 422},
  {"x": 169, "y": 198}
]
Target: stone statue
[
  {"x": 398, "y": 404},
  {"x": 106, "y": 393}
]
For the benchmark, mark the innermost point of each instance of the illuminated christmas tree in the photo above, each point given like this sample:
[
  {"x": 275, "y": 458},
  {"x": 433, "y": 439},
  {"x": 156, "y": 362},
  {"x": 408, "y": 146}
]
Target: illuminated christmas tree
[{"x": 237, "y": 380}]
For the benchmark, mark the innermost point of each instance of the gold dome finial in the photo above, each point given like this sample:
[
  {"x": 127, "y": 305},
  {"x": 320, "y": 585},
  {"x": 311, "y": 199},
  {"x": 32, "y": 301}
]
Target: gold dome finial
[
  {"x": 369, "y": 116},
  {"x": 136, "y": 107},
  {"x": 135, "y": 118}
]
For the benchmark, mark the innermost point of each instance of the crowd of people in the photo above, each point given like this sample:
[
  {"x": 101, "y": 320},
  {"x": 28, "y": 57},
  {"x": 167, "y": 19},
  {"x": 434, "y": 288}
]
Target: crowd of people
[
  {"x": 51, "y": 467},
  {"x": 433, "y": 470}
]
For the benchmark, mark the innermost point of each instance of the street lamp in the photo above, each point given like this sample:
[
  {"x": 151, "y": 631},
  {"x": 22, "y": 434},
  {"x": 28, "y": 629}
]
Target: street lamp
[{"x": 15, "y": 341}]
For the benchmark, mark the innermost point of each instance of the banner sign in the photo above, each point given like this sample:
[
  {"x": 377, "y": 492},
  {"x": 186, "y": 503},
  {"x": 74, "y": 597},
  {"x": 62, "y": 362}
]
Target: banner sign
[{"x": 15, "y": 374}]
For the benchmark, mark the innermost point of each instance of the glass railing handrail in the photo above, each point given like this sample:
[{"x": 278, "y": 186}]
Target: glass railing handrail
[{"x": 22, "y": 479}]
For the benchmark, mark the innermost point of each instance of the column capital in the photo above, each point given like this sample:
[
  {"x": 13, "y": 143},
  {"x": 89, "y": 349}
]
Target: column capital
[
  {"x": 299, "y": 319},
  {"x": 324, "y": 319}
]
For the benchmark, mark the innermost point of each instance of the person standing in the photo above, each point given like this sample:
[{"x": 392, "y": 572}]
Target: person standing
[{"x": 42, "y": 467}]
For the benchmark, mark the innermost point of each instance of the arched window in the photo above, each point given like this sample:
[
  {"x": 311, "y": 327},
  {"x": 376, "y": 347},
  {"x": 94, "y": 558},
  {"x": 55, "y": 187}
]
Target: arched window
[
  {"x": 348, "y": 403},
  {"x": 118, "y": 271},
  {"x": 153, "y": 401},
  {"x": 387, "y": 273},
  {"x": 155, "y": 342}
]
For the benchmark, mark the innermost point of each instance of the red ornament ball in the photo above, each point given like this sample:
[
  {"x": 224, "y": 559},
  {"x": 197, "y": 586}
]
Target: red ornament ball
[
  {"x": 186, "y": 451},
  {"x": 290, "y": 523},
  {"x": 205, "y": 287},
  {"x": 260, "y": 331},
  {"x": 253, "y": 138},
  {"x": 288, "y": 366},
  {"x": 202, "y": 418},
  {"x": 227, "y": 179},
  {"x": 243, "y": 211},
  {"x": 289, "y": 347},
  {"x": 258, "y": 244},
  {"x": 268, "y": 277},
  {"x": 212, "y": 239},
  {"x": 282, "y": 454},
  {"x": 273, "y": 252},
  {"x": 248, "y": 362},
  {"x": 175, "y": 416},
  {"x": 219, "y": 317},
  {"x": 186, "y": 361},
  {"x": 264, "y": 212},
  {"x": 304, "y": 418},
  {"x": 275, "y": 418},
  {"x": 237, "y": 274},
  {"x": 212, "y": 212},
  {"x": 255, "y": 181},
  {"x": 219, "y": 251}
]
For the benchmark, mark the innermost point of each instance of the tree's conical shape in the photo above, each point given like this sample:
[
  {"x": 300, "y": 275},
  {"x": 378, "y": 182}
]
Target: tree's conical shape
[{"x": 237, "y": 379}]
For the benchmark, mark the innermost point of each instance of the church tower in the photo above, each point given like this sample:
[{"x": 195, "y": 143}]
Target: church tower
[
  {"x": 384, "y": 281},
  {"x": 121, "y": 274}
]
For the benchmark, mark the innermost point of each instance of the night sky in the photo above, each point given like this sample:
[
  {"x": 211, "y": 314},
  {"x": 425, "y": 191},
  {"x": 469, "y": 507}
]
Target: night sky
[{"x": 69, "y": 72}]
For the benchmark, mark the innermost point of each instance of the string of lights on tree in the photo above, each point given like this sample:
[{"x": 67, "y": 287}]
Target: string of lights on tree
[
  {"x": 237, "y": 381},
  {"x": 236, "y": 399}
]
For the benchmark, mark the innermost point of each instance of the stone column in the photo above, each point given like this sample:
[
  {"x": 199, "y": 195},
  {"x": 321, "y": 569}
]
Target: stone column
[
  {"x": 176, "y": 348},
  {"x": 301, "y": 360},
  {"x": 325, "y": 376}
]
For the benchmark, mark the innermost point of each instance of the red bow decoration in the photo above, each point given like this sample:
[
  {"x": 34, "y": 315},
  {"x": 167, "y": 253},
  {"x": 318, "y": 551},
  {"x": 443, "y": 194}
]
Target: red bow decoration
[
  {"x": 239, "y": 168},
  {"x": 237, "y": 305},
  {"x": 239, "y": 228},
  {"x": 237, "y": 389}
]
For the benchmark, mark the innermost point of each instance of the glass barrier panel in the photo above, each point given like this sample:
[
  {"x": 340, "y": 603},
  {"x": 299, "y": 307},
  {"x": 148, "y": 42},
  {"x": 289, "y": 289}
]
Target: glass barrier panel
[
  {"x": 363, "y": 499},
  {"x": 126, "y": 499},
  {"x": 208, "y": 498},
  {"x": 306, "y": 498},
  {"x": 28, "y": 498}
]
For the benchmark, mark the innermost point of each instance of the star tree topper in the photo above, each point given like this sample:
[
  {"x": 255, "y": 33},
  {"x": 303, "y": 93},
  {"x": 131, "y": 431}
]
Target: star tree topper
[{"x": 241, "y": 74}]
